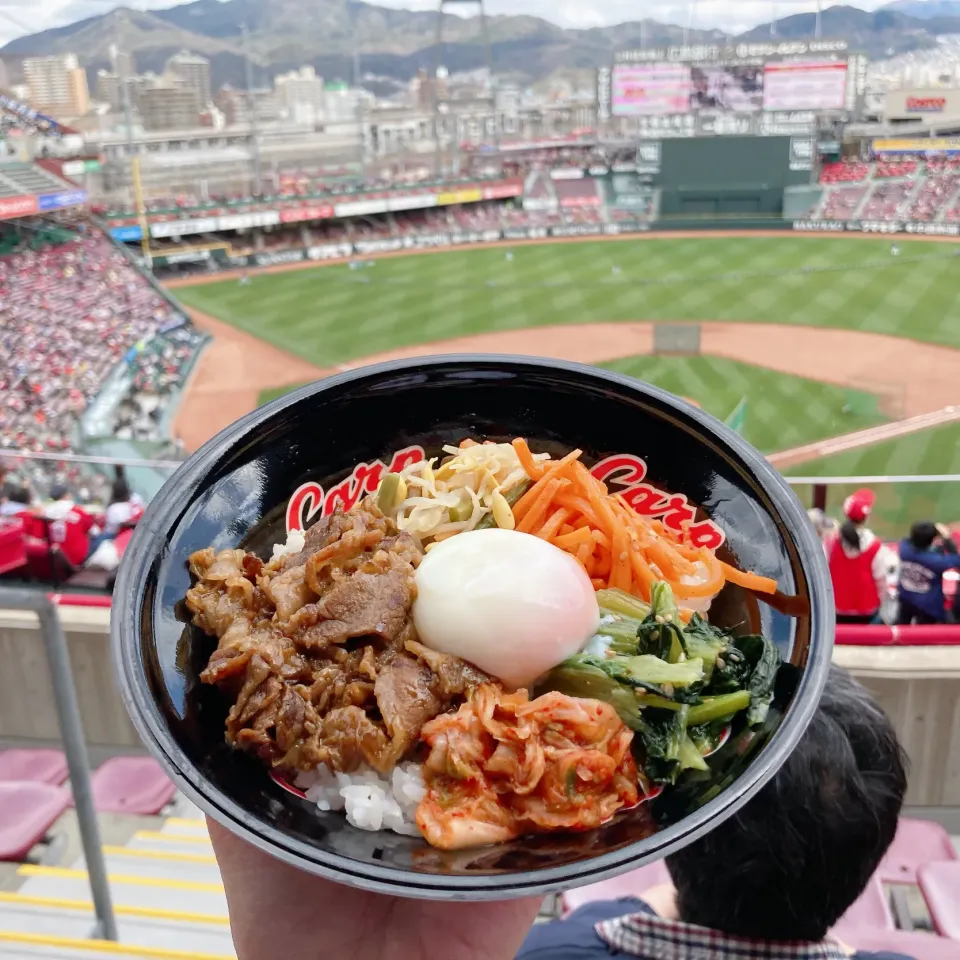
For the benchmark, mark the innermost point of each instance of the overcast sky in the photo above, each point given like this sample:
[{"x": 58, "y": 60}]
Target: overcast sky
[{"x": 18, "y": 17}]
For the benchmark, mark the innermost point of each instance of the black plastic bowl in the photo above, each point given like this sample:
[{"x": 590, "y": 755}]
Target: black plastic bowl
[{"x": 235, "y": 489}]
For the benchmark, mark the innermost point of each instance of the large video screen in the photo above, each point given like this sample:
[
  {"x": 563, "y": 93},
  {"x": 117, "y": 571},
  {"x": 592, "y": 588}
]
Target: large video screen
[
  {"x": 656, "y": 89},
  {"x": 805, "y": 86},
  {"x": 735, "y": 89},
  {"x": 649, "y": 89}
]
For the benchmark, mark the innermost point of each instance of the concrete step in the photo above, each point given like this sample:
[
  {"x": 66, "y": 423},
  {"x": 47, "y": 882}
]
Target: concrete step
[
  {"x": 28, "y": 946},
  {"x": 135, "y": 891},
  {"x": 185, "y": 826},
  {"x": 28, "y": 918},
  {"x": 160, "y": 842},
  {"x": 171, "y": 865},
  {"x": 81, "y": 924}
]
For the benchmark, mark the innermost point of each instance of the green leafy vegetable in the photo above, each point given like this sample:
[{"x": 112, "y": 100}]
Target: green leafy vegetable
[
  {"x": 713, "y": 708},
  {"x": 706, "y": 736},
  {"x": 765, "y": 657},
  {"x": 662, "y": 734},
  {"x": 652, "y": 671},
  {"x": 690, "y": 757},
  {"x": 704, "y": 641},
  {"x": 661, "y": 632},
  {"x": 622, "y": 604}
]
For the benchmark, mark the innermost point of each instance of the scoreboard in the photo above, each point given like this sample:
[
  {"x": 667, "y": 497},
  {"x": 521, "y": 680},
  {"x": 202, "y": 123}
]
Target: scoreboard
[{"x": 740, "y": 81}]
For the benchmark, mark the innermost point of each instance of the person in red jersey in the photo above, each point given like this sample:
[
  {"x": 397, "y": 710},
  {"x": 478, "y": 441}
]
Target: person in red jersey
[
  {"x": 858, "y": 563},
  {"x": 69, "y": 526}
]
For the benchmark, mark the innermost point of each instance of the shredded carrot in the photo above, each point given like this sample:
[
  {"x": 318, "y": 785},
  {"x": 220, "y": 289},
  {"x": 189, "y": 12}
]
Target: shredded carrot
[
  {"x": 573, "y": 540},
  {"x": 530, "y": 466},
  {"x": 550, "y": 529},
  {"x": 569, "y": 507},
  {"x": 751, "y": 581},
  {"x": 558, "y": 469},
  {"x": 705, "y": 588},
  {"x": 538, "y": 509}
]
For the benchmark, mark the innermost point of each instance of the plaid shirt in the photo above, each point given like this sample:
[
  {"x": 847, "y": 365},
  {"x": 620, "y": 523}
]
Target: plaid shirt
[
  {"x": 604, "y": 929},
  {"x": 653, "y": 938}
]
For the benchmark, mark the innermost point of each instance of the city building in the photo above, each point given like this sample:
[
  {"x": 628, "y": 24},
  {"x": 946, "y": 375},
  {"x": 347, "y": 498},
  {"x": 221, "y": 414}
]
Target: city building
[
  {"x": 107, "y": 89},
  {"x": 235, "y": 105},
  {"x": 301, "y": 95},
  {"x": 58, "y": 85},
  {"x": 194, "y": 73},
  {"x": 169, "y": 108},
  {"x": 342, "y": 102},
  {"x": 123, "y": 63}
]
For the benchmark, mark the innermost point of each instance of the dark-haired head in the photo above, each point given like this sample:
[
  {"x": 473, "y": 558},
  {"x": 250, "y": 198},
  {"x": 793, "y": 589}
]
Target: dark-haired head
[
  {"x": 850, "y": 534},
  {"x": 120, "y": 491},
  {"x": 59, "y": 492},
  {"x": 798, "y": 855},
  {"x": 922, "y": 534},
  {"x": 16, "y": 494}
]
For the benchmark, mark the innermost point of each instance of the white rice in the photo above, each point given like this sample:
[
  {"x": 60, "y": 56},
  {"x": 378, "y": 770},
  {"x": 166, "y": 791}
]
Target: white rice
[
  {"x": 294, "y": 544},
  {"x": 371, "y": 801}
]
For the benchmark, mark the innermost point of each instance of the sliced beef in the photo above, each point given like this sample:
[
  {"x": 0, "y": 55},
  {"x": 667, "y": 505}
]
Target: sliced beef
[
  {"x": 288, "y": 591},
  {"x": 366, "y": 605},
  {"x": 453, "y": 675},
  {"x": 311, "y": 648},
  {"x": 405, "y": 696}
]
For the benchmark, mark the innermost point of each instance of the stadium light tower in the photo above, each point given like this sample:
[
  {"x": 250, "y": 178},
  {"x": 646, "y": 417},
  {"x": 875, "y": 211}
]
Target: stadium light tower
[{"x": 455, "y": 6}]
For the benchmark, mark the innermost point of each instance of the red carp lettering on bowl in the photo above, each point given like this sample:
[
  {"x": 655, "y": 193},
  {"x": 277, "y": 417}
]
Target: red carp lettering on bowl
[
  {"x": 623, "y": 470},
  {"x": 309, "y": 498}
]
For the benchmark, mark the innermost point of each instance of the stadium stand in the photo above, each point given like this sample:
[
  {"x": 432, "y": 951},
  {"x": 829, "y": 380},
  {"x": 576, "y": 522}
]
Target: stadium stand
[
  {"x": 70, "y": 315},
  {"x": 920, "y": 190}
]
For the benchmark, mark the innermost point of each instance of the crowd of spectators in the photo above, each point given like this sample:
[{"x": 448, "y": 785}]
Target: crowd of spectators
[
  {"x": 911, "y": 189},
  {"x": 69, "y": 315},
  {"x": 910, "y": 582}
]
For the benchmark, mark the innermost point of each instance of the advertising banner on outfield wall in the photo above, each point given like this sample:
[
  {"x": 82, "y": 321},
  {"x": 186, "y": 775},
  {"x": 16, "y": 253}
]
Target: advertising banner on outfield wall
[
  {"x": 129, "y": 234},
  {"x": 322, "y": 211},
  {"x": 183, "y": 228},
  {"x": 917, "y": 227},
  {"x": 11, "y": 207},
  {"x": 918, "y": 145}
]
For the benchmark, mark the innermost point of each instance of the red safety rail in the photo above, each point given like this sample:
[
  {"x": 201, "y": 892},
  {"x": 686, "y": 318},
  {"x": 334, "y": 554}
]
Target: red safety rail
[
  {"x": 79, "y": 599},
  {"x": 880, "y": 635}
]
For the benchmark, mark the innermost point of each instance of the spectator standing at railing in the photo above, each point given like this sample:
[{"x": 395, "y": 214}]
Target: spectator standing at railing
[
  {"x": 925, "y": 556},
  {"x": 858, "y": 563}
]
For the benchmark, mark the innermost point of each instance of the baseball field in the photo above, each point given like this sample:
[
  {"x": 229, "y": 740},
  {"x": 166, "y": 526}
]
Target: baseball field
[{"x": 804, "y": 340}]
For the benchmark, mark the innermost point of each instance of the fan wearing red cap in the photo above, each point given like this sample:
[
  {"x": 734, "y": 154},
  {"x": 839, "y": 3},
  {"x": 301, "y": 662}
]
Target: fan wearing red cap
[{"x": 858, "y": 562}]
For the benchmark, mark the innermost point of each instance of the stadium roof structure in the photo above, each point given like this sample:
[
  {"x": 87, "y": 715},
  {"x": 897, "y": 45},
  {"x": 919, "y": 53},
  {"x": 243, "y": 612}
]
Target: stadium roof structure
[
  {"x": 27, "y": 189},
  {"x": 19, "y": 179}
]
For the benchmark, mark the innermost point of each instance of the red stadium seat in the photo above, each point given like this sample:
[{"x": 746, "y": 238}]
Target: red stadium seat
[
  {"x": 27, "y": 812},
  {"x": 37, "y": 766},
  {"x": 918, "y": 842},
  {"x": 940, "y": 885},
  {"x": 13, "y": 545},
  {"x": 131, "y": 785}
]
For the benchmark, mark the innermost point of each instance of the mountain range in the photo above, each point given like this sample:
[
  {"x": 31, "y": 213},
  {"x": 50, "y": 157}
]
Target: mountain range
[{"x": 284, "y": 34}]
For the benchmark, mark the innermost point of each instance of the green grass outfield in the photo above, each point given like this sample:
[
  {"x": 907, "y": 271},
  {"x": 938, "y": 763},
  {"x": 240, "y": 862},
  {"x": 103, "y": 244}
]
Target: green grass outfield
[{"x": 332, "y": 314}]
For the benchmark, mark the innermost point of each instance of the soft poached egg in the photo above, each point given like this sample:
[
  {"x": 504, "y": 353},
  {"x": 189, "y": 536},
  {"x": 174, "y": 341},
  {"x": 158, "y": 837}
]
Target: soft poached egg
[{"x": 509, "y": 603}]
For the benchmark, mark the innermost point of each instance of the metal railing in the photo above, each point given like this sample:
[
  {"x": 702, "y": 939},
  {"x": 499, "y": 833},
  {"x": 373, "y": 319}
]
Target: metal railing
[{"x": 71, "y": 731}]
